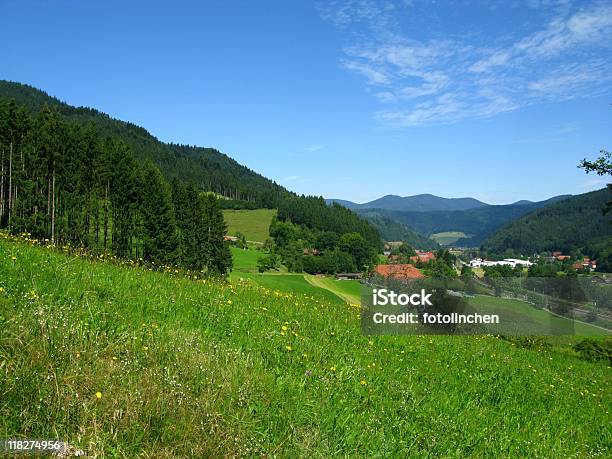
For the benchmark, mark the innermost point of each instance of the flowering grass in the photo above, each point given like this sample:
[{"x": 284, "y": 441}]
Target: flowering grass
[{"x": 125, "y": 362}]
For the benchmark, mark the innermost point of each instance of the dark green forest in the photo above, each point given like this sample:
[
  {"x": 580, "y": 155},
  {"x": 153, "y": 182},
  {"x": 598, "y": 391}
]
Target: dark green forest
[
  {"x": 391, "y": 230},
  {"x": 575, "y": 224},
  {"x": 70, "y": 184},
  {"x": 207, "y": 168},
  {"x": 315, "y": 237}
]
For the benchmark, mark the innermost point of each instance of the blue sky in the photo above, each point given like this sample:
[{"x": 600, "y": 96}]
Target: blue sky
[{"x": 352, "y": 99}]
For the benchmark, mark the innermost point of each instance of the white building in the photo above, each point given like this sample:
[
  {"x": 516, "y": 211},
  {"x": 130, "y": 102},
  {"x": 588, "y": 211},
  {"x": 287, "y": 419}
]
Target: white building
[{"x": 513, "y": 262}]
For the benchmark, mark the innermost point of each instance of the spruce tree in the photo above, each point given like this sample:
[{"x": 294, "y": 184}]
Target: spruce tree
[
  {"x": 160, "y": 240},
  {"x": 218, "y": 258}
]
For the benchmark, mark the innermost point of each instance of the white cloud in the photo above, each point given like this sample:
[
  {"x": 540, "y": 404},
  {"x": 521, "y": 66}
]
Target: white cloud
[
  {"x": 313, "y": 148},
  {"x": 374, "y": 76},
  {"x": 441, "y": 81}
]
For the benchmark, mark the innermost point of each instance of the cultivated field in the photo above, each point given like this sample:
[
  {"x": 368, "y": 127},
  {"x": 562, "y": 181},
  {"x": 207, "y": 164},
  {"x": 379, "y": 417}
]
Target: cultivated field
[
  {"x": 254, "y": 224},
  {"x": 448, "y": 237},
  {"x": 125, "y": 362}
]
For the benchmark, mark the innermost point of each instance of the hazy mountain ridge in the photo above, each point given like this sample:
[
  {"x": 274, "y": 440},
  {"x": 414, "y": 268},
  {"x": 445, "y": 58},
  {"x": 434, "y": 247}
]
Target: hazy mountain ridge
[
  {"x": 479, "y": 222},
  {"x": 416, "y": 203}
]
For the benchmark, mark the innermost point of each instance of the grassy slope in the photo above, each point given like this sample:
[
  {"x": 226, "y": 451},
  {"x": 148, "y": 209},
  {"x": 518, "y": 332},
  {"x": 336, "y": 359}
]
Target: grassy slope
[
  {"x": 254, "y": 224},
  {"x": 194, "y": 369},
  {"x": 245, "y": 260},
  {"x": 245, "y": 266},
  {"x": 447, "y": 237},
  {"x": 347, "y": 290},
  {"x": 288, "y": 282}
]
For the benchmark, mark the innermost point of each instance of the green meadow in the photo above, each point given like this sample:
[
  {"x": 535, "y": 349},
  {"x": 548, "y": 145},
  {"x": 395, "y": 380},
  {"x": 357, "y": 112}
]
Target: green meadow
[
  {"x": 245, "y": 267},
  {"x": 126, "y": 362},
  {"x": 347, "y": 290},
  {"x": 447, "y": 237},
  {"x": 245, "y": 260},
  {"x": 254, "y": 224}
]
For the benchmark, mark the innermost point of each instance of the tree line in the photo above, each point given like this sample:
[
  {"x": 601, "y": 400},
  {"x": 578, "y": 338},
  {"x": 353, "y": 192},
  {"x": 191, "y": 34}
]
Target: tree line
[
  {"x": 65, "y": 182},
  {"x": 310, "y": 235},
  {"x": 577, "y": 226}
]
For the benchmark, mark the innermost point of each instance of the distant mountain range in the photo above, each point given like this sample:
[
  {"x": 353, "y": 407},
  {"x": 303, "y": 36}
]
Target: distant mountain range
[
  {"x": 417, "y": 203},
  {"x": 430, "y": 214}
]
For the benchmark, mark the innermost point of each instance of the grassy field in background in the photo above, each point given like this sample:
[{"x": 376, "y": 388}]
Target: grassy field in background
[
  {"x": 245, "y": 266},
  {"x": 254, "y": 224},
  {"x": 125, "y": 362},
  {"x": 447, "y": 237},
  {"x": 245, "y": 260},
  {"x": 347, "y": 290}
]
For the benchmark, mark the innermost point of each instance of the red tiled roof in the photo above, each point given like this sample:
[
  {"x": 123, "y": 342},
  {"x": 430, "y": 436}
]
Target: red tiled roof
[
  {"x": 399, "y": 271},
  {"x": 423, "y": 256}
]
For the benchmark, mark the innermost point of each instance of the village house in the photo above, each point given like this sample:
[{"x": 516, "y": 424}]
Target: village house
[
  {"x": 585, "y": 263},
  {"x": 423, "y": 257}
]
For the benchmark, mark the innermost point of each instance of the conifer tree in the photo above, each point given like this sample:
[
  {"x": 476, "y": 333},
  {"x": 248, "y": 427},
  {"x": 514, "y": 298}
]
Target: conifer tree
[
  {"x": 218, "y": 258},
  {"x": 160, "y": 240}
]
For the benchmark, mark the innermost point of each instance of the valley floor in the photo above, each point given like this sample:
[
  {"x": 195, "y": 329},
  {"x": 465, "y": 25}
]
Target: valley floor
[{"x": 124, "y": 362}]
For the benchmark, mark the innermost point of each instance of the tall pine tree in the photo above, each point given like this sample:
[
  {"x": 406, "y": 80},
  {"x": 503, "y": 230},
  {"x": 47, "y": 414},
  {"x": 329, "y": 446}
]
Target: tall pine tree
[{"x": 160, "y": 241}]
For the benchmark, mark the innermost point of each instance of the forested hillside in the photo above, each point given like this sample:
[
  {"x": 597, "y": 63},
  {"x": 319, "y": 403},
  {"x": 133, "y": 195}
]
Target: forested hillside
[
  {"x": 577, "y": 223},
  {"x": 209, "y": 169},
  {"x": 76, "y": 175},
  {"x": 478, "y": 222},
  {"x": 66, "y": 183}
]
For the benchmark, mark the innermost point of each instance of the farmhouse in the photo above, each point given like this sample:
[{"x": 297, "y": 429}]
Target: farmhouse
[
  {"x": 403, "y": 271},
  {"x": 586, "y": 263},
  {"x": 423, "y": 257}
]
